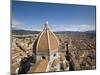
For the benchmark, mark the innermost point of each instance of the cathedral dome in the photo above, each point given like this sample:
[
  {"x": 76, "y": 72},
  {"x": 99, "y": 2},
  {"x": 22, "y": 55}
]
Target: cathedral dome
[{"x": 46, "y": 41}]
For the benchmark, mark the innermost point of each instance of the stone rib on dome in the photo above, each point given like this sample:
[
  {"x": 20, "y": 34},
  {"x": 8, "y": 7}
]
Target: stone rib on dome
[{"x": 46, "y": 41}]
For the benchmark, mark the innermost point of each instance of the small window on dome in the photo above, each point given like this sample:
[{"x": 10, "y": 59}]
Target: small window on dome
[
  {"x": 54, "y": 54},
  {"x": 43, "y": 57}
]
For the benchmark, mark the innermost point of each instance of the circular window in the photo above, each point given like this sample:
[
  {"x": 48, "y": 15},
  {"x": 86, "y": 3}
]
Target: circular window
[
  {"x": 54, "y": 54},
  {"x": 43, "y": 57}
]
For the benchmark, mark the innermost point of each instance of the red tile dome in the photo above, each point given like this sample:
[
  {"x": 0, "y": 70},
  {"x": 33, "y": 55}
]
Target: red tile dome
[{"x": 46, "y": 41}]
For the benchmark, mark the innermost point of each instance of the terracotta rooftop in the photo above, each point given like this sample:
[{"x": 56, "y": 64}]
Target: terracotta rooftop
[
  {"x": 62, "y": 57},
  {"x": 40, "y": 66},
  {"x": 46, "y": 41},
  {"x": 55, "y": 62},
  {"x": 14, "y": 66}
]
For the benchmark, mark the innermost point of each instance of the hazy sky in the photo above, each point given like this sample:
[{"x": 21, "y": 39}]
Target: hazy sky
[{"x": 61, "y": 17}]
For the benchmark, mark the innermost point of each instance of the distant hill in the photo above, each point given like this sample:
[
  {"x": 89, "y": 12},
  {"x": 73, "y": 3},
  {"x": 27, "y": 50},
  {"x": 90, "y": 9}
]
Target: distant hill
[
  {"x": 93, "y": 32},
  {"x": 25, "y": 32},
  {"x": 67, "y": 32},
  {"x": 58, "y": 32}
]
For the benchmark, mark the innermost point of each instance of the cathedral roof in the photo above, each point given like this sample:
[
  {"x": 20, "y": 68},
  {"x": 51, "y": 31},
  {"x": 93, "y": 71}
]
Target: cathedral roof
[
  {"x": 14, "y": 66},
  {"x": 55, "y": 62},
  {"x": 46, "y": 41},
  {"x": 40, "y": 66}
]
